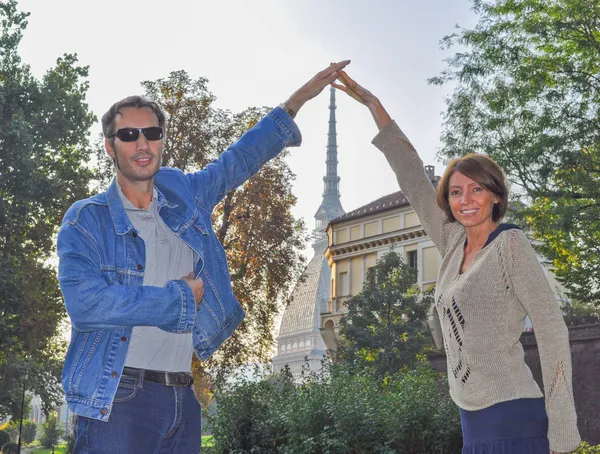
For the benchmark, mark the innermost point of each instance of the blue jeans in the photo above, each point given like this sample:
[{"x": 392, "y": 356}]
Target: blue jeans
[{"x": 146, "y": 418}]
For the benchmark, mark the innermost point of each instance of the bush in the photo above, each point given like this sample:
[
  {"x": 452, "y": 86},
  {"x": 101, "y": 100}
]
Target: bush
[
  {"x": 12, "y": 430},
  {"x": 4, "y": 437},
  {"x": 585, "y": 448},
  {"x": 70, "y": 441},
  {"x": 50, "y": 432},
  {"x": 9, "y": 448},
  {"x": 28, "y": 431},
  {"x": 337, "y": 410}
]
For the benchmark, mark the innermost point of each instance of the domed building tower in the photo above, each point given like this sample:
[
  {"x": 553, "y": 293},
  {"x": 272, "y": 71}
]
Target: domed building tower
[{"x": 299, "y": 337}]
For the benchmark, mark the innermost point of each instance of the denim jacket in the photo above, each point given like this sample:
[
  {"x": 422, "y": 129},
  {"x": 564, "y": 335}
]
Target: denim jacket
[{"x": 102, "y": 258}]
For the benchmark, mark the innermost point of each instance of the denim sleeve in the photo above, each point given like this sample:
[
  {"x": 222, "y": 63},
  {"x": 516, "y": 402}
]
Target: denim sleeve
[
  {"x": 94, "y": 304},
  {"x": 243, "y": 159}
]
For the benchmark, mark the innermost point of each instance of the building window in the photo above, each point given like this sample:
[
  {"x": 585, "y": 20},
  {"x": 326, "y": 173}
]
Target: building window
[
  {"x": 344, "y": 284},
  {"x": 332, "y": 288},
  {"x": 411, "y": 259}
]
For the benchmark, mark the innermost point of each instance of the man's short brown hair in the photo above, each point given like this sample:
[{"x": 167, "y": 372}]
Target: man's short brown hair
[
  {"x": 484, "y": 171},
  {"x": 109, "y": 123}
]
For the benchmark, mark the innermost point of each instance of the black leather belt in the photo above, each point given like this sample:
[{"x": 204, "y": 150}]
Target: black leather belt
[{"x": 166, "y": 378}]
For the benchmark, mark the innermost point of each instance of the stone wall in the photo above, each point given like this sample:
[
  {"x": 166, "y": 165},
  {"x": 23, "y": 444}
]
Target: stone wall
[{"x": 585, "y": 354}]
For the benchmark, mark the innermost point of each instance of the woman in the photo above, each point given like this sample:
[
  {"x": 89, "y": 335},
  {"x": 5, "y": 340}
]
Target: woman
[{"x": 489, "y": 280}]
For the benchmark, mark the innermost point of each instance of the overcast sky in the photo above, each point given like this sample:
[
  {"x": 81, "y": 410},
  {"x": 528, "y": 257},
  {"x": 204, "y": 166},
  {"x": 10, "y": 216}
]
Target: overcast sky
[{"x": 257, "y": 53}]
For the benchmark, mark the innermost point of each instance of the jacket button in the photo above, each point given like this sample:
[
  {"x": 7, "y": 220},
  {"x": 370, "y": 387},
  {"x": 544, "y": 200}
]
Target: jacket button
[
  {"x": 103, "y": 412},
  {"x": 123, "y": 339},
  {"x": 114, "y": 375},
  {"x": 134, "y": 235},
  {"x": 139, "y": 267}
]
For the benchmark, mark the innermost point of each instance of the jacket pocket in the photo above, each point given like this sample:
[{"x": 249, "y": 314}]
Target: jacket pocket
[{"x": 80, "y": 357}]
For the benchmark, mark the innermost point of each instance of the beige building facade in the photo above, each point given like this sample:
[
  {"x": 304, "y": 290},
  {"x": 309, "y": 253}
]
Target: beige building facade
[{"x": 358, "y": 239}]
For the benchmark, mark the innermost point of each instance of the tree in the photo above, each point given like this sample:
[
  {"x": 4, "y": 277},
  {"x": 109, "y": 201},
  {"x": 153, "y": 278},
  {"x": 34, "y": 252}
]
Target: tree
[
  {"x": 254, "y": 223},
  {"x": 16, "y": 413},
  {"x": 43, "y": 150},
  {"x": 50, "y": 431},
  {"x": 527, "y": 93},
  {"x": 384, "y": 328}
]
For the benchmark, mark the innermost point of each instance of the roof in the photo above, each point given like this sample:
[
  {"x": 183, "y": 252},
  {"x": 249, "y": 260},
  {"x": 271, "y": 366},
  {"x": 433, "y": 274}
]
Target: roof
[
  {"x": 301, "y": 315},
  {"x": 387, "y": 202}
]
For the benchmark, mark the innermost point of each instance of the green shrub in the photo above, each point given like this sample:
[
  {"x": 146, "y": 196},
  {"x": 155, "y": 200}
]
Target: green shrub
[
  {"x": 12, "y": 430},
  {"x": 50, "y": 432},
  {"x": 28, "y": 431},
  {"x": 585, "y": 448},
  {"x": 4, "y": 437},
  {"x": 69, "y": 441},
  {"x": 9, "y": 448},
  {"x": 338, "y": 410}
]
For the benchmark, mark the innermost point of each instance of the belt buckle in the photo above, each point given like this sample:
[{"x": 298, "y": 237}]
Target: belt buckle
[
  {"x": 178, "y": 379},
  {"x": 168, "y": 381}
]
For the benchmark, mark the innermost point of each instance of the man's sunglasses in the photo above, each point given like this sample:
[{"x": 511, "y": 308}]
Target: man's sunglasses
[{"x": 132, "y": 134}]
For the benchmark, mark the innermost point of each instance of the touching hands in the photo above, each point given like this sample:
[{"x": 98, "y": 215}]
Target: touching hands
[
  {"x": 197, "y": 286},
  {"x": 315, "y": 85},
  {"x": 364, "y": 96},
  {"x": 353, "y": 89}
]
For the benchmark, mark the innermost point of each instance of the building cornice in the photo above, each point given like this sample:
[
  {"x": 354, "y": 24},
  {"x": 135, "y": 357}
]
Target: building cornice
[{"x": 365, "y": 244}]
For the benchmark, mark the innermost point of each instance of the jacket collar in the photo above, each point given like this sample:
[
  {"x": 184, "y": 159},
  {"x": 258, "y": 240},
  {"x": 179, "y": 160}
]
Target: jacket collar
[{"x": 117, "y": 211}]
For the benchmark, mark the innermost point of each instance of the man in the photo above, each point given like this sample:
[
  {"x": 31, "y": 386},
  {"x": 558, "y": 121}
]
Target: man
[{"x": 145, "y": 279}]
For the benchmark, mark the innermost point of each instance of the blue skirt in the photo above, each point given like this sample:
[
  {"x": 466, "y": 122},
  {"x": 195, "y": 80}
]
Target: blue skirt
[{"x": 514, "y": 427}]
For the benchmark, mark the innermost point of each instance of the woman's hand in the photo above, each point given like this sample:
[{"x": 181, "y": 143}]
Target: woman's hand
[
  {"x": 353, "y": 89},
  {"x": 364, "y": 96}
]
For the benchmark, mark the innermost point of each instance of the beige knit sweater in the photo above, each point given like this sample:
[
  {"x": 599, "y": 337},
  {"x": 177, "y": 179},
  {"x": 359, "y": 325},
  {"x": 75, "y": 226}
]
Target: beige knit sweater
[{"x": 482, "y": 311}]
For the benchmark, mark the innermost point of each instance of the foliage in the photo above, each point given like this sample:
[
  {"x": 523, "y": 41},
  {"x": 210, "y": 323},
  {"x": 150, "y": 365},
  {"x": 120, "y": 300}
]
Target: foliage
[
  {"x": 585, "y": 448},
  {"x": 51, "y": 432},
  {"x": 337, "y": 410},
  {"x": 577, "y": 313},
  {"x": 69, "y": 439},
  {"x": 43, "y": 150},
  {"x": 527, "y": 93},
  {"x": 4, "y": 437},
  {"x": 11, "y": 429},
  {"x": 384, "y": 328},
  {"x": 28, "y": 431},
  {"x": 16, "y": 414},
  {"x": 10, "y": 448},
  {"x": 254, "y": 223}
]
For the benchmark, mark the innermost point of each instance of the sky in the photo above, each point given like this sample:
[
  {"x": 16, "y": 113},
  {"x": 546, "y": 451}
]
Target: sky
[{"x": 257, "y": 53}]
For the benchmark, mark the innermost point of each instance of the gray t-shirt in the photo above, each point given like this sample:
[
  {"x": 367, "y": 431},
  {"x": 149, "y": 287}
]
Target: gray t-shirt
[{"x": 167, "y": 258}]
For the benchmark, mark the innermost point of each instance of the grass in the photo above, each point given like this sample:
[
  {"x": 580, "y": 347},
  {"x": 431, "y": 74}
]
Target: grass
[{"x": 57, "y": 450}]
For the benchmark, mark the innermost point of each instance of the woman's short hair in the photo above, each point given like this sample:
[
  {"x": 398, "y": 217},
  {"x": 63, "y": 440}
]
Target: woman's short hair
[{"x": 484, "y": 171}]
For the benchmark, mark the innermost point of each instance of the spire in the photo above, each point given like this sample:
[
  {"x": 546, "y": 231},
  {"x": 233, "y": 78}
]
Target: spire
[{"x": 331, "y": 206}]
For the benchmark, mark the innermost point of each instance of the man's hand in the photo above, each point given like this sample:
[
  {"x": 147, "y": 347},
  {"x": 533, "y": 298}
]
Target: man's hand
[
  {"x": 197, "y": 286},
  {"x": 315, "y": 85}
]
